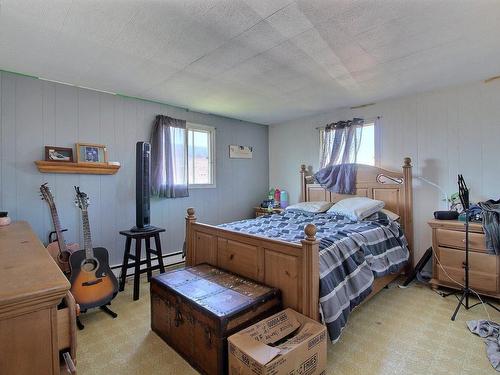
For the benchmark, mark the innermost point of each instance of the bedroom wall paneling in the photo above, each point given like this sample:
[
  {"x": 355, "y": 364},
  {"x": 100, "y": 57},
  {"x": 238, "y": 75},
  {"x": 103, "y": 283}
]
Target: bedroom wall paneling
[
  {"x": 35, "y": 113},
  {"x": 445, "y": 132}
]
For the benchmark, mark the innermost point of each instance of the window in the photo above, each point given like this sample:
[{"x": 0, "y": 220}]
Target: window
[
  {"x": 201, "y": 155},
  {"x": 366, "y": 153}
]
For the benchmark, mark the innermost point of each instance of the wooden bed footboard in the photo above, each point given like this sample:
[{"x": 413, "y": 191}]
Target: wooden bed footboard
[{"x": 291, "y": 267}]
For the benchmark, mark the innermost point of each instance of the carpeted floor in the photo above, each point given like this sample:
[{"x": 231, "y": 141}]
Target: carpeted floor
[{"x": 399, "y": 331}]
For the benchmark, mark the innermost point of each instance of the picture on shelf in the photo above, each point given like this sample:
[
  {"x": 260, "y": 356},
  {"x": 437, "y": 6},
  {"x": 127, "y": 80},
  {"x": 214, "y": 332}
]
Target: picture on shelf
[
  {"x": 53, "y": 153},
  {"x": 91, "y": 153}
]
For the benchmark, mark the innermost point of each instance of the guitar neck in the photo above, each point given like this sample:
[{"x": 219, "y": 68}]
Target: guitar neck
[
  {"x": 57, "y": 227},
  {"x": 87, "y": 239}
]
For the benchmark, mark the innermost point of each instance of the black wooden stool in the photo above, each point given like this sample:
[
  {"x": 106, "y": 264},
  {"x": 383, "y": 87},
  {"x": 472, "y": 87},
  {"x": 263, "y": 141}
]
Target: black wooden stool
[{"x": 138, "y": 237}]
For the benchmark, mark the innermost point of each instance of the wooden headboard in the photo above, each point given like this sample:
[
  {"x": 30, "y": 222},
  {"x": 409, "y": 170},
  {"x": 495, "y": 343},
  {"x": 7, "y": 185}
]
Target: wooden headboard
[{"x": 393, "y": 188}]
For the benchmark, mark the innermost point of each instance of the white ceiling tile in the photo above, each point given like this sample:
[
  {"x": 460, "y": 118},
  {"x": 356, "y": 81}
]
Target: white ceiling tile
[
  {"x": 252, "y": 42},
  {"x": 290, "y": 21},
  {"x": 245, "y": 71},
  {"x": 317, "y": 48},
  {"x": 318, "y": 11},
  {"x": 46, "y": 14},
  {"x": 364, "y": 15},
  {"x": 147, "y": 73},
  {"x": 265, "y": 8},
  {"x": 91, "y": 20},
  {"x": 230, "y": 18},
  {"x": 178, "y": 88}
]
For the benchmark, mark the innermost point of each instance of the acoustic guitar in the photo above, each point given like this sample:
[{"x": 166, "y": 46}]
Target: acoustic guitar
[
  {"x": 58, "y": 250},
  {"x": 93, "y": 284}
]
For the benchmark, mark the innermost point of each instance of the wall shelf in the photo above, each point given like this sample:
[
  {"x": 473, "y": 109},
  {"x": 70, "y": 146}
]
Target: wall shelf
[{"x": 76, "y": 168}]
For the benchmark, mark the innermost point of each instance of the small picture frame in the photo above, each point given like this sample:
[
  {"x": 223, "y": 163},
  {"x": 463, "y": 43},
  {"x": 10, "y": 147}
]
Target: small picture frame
[
  {"x": 59, "y": 154},
  {"x": 91, "y": 153}
]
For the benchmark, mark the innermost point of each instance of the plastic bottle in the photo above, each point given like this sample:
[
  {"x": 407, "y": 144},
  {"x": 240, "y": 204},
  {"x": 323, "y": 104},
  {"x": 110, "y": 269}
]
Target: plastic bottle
[
  {"x": 283, "y": 199},
  {"x": 271, "y": 194},
  {"x": 277, "y": 195}
]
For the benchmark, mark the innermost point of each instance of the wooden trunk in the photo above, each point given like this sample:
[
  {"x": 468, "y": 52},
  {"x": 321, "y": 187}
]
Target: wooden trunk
[{"x": 195, "y": 309}]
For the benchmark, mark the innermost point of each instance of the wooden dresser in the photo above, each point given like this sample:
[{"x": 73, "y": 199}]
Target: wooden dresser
[
  {"x": 448, "y": 242},
  {"x": 35, "y": 335}
]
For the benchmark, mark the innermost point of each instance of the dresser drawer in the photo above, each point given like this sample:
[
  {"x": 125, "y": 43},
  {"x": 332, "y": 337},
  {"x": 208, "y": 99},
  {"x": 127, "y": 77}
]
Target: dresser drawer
[
  {"x": 451, "y": 238},
  {"x": 479, "y": 281},
  {"x": 478, "y": 262}
]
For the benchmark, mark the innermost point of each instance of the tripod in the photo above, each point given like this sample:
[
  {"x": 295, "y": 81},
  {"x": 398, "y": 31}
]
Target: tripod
[{"x": 466, "y": 291}]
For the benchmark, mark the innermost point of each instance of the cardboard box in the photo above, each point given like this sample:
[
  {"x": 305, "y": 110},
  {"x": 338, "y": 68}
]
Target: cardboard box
[{"x": 285, "y": 343}]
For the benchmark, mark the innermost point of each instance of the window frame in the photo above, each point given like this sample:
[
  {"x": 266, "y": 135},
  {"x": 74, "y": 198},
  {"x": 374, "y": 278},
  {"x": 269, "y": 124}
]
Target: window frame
[
  {"x": 211, "y": 154},
  {"x": 376, "y": 140}
]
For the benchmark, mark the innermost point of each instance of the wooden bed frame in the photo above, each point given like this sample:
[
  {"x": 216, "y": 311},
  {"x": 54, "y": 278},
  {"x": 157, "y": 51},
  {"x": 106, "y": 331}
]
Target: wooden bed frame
[{"x": 294, "y": 267}]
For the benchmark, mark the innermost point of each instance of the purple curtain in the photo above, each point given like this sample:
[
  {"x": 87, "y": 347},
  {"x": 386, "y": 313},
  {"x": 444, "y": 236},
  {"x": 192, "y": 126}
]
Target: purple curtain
[{"x": 169, "y": 178}]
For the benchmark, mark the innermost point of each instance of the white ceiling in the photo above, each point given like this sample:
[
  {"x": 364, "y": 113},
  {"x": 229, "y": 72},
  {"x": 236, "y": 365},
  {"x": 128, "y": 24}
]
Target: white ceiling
[{"x": 258, "y": 60}]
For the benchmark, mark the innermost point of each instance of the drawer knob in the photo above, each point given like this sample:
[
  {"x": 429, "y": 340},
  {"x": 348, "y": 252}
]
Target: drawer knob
[{"x": 463, "y": 240}]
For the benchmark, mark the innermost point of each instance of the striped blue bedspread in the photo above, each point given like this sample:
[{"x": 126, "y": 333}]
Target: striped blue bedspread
[{"x": 352, "y": 254}]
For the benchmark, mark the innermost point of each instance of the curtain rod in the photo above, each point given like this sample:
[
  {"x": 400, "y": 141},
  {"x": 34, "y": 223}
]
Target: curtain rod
[{"x": 368, "y": 120}]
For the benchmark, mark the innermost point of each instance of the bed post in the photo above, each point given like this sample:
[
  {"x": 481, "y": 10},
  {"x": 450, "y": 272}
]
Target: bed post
[
  {"x": 310, "y": 273},
  {"x": 408, "y": 223},
  {"x": 190, "y": 219},
  {"x": 303, "y": 187}
]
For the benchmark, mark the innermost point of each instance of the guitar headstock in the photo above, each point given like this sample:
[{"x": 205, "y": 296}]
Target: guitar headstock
[
  {"x": 46, "y": 194},
  {"x": 81, "y": 199}
]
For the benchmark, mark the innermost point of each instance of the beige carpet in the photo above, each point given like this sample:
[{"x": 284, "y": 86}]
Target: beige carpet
[{"x": 399, "y": 331}]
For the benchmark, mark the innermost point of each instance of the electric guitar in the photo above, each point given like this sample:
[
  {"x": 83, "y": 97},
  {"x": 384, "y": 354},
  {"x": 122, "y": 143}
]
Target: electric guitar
[
  {"x": 58, "y": 250},
  {"x": 93, "y": 284}
]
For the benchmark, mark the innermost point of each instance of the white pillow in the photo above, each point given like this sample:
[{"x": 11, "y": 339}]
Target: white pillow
[
  {"x": 314, "y": 207},
  {"x": 356, "y": 208},
  {"x": 391, "y": 215}
]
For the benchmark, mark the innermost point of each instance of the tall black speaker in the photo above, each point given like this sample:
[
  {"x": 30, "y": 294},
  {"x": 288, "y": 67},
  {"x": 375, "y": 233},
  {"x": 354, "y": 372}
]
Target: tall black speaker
[{"x": 142, "y": 187}]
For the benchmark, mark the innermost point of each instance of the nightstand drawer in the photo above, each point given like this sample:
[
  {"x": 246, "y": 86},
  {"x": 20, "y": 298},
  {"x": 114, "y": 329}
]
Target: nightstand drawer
[
  {"x": 480, "y": 282},
  {"x": 478, "y": 262},
  {"x": 452, "y": 238}
]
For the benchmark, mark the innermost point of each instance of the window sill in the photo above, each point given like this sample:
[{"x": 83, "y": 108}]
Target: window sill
[{"x": 202, "y": 186}]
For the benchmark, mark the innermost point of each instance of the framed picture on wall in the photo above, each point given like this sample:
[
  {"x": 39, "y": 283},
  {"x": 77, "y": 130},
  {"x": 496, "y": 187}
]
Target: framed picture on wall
[
  {"x": 91, "y": 153},
  {"x": 240, "y": 152},
  {"x": 53, "y": 153}
]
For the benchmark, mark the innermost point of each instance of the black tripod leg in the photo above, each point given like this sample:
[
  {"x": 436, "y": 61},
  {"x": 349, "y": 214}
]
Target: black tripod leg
[
  {"x": 458, "y": 307},
  {"x": 79, "y": 324},
  {"x": 421, "y": 263},
  {"x": 108, "y": 311},
  {"x": 493, "y": 306},
  {"x": 444, "y": 295}
]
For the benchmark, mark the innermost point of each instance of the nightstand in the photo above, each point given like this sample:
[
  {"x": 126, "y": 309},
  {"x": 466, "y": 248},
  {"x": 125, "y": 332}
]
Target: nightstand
[
  {"x": 259, "y": 211},
  {"x": 448, "y": 243}
]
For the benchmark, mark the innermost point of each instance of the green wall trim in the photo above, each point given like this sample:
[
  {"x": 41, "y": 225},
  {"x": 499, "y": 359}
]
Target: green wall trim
[
  {"x": 148, "y": 100},
  {"x": 97, "y": 90},
  {"x": 17, "y": 73},
  {"x": 111, "y": 93}
]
